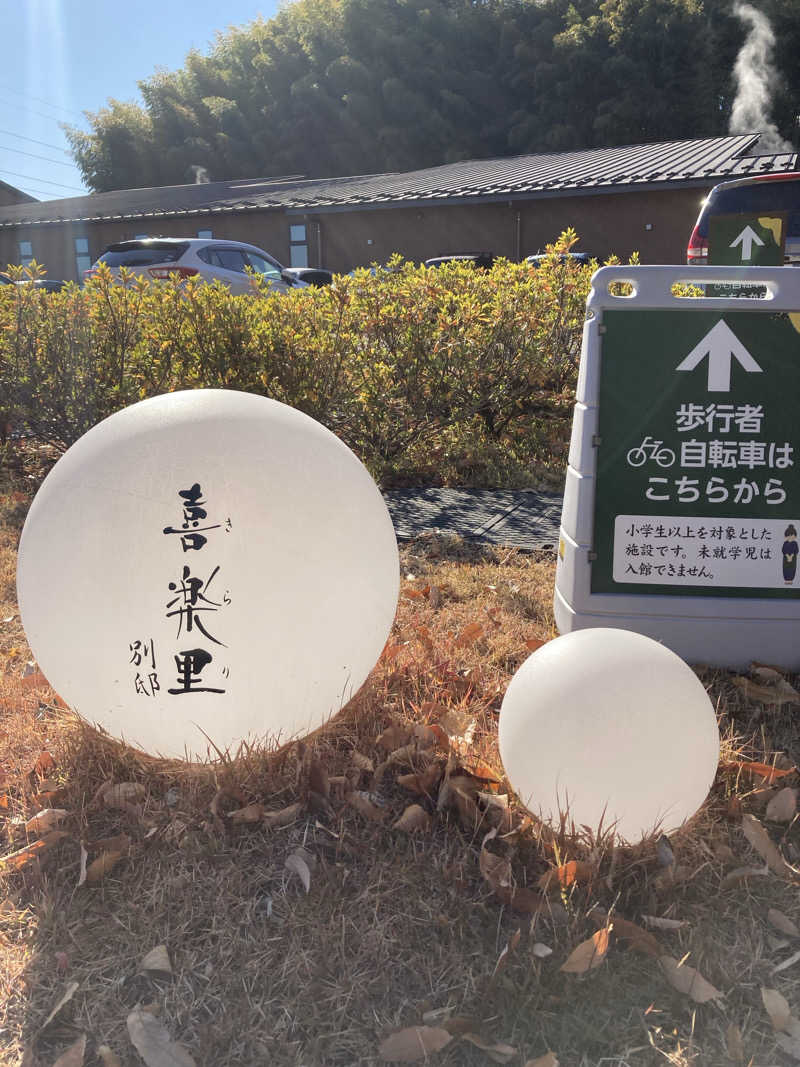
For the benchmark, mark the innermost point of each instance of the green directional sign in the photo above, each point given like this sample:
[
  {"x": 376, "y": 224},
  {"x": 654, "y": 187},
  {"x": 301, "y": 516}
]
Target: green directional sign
[
  {"x": 746, "y": 240},
  {"x": 698, "y": 454}
]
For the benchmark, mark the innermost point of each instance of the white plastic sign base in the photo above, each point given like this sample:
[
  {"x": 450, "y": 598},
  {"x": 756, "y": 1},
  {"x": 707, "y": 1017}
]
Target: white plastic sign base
[{"x": 681, "y": 516}]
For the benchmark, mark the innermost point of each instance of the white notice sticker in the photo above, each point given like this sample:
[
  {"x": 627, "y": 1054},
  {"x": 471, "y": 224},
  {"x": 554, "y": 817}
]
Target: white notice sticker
[{"x": 710, "y": 551}]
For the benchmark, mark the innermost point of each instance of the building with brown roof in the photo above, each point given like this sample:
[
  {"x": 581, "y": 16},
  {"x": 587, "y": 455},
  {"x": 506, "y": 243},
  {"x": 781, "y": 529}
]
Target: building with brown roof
[{"x": 641, "y": 198}]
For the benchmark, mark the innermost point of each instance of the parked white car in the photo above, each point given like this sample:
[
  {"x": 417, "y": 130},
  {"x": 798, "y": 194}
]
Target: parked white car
[{"x": 188, "y": 257}]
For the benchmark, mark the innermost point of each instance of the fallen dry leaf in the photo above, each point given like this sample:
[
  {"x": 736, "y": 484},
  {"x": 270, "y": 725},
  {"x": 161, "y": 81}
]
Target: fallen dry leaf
[
  {"x": 790, "y": 962},
  {"x": 230, "y": 794},
  {"x": 497, "y": 1051},
  {"x": 567, "y": 875},
  {"x": 46, "y": 820},
  {"x": 790, "y": 1043},
  {"x": 423, "y": 783},
  {"x": 766, "y": 673},
  {"x": 741, "y": 874},
  {"x": 495, "y": 869},
  {"x": 390, "y": 652},
  {"x": 588, "y": 954},
  {"x": 460, "y": 728},
  {"x": 156, "y": 961},
  {"x": 765, "y": 846},
  {"x": 777, "y": 1007},
  {"x": 526, "y": 901},
  {"x": 65, "y": 998},
  {"x": 122, "y": 793},
  {"x": 297, "y": 864},
  {"x": 532, "y": 643},
  {"x": 734, "y": 1043},
  {"x": 664, "y": 924},
  {"x": 282, "y": 817},
  {"x": 45, "y": 764},
  {"x": 84, "y": 858},
  {"x": 73, "y": 1056},
  {"x": 318, "y": 781},
  {"x": 469, "y": 635},
  {"x": 362, "y": 762},
  {"x": 770, "y": 695},
  {"x": 394, "y": 737},
  {"x": 17, "y": 860},
  {"x": 252, "y": 813},
  {"x": 109, "y": 1058},
  {"x": 639, "y": 940},
  {"x": 548, "y": 1060},
  {"x": 783, "y": 923},
  {"x": 762, "y": 770},
  {"x": 414, "y": 1043},
  {"x": 151, "y": 1040},
  {"x": 413, "y": 818},
  {"x": 541, "y": 951},
  {"x": 364, "y": 806},
  {"x": 99, "y": 868},
  {"x": 413, "y": 594},
  {"x": 688, "y": 980},
  {"x": 783, "y": 806}
]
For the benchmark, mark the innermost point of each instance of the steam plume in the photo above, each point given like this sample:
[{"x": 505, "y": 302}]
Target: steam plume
[
  {"x": 755, "y": 78},
  {"x": 200, "y": 175}
]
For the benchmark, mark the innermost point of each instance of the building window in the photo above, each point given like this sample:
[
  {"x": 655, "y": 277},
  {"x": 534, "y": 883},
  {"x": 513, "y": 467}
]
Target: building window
[
  {"x": 298, "y": 249},
  {"x": 82, "y": 258},
  {"x": 205, "y": 234},
  {"x": 25, "y": 253}
]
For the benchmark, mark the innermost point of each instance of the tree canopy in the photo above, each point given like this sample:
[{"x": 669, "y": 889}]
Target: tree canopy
[{"x": 331, "y": 87}]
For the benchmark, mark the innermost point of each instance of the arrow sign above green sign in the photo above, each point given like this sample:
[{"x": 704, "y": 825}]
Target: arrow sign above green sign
[
  {"x": 746, "y": 240},
  {"x": 722, "y": 346}
]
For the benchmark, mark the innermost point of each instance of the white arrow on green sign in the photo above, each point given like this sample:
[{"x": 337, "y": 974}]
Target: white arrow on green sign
[
  {"x": 747, "y": 238},
  {"x": 722, "y": 346}
]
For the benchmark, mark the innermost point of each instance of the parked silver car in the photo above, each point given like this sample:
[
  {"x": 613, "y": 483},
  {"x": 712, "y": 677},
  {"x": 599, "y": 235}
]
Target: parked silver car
[{"x": 187, "y": 257}]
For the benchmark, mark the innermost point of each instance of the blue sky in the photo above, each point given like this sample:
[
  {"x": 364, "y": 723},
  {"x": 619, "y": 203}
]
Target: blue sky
[{"x": 64, "y": 57}]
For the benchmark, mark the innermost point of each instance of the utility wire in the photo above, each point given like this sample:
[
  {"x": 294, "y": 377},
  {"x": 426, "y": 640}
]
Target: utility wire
[
  {"x": 29, "y": 177},
  {"x": 47, "y": 159},
  {"x": 31, "y": 111},
  {"x": 44, "y": 144},
  {"x": 34, "y": 191},
  {"x": 38, "y": 99}
]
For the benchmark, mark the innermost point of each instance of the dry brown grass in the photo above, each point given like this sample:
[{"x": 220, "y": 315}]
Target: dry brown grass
[{"x": 395, "y": 925}]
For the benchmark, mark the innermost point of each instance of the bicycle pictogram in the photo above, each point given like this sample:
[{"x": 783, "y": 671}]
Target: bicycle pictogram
[{"x": 650, "y": 449}]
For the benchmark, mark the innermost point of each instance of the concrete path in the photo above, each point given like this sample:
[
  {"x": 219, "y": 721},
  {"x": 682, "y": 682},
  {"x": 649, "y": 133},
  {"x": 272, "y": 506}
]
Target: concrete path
[{"x": 525, "y": 518}]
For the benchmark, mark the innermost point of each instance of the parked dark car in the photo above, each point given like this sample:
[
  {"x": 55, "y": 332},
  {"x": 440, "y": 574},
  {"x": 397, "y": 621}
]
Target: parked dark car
[
  {"x": 763, "y": 195},
  {"x": 50, "y": 285},
  {"x": 316, "y": 276},
  {"x": 482, "y": 260},
  {"x": 577, "y": 257}
]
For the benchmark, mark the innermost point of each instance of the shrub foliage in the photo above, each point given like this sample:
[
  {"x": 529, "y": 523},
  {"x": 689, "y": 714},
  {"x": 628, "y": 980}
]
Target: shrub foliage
[{"x": 448, "y": 376}]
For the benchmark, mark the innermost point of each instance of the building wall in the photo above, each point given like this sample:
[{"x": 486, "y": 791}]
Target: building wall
[{"x": 656, "y": 223}]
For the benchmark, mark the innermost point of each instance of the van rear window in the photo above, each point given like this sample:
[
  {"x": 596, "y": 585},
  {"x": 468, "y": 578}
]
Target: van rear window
[
  {"x": 760, "y": 198},
  {"x": 143, "y": 254}
]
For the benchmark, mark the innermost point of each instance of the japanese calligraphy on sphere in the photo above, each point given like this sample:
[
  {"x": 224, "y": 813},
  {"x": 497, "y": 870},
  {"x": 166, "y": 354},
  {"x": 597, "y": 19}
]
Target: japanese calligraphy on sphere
[
  {"x": 699, "y": 454},
  {"x": 207, "y": 565}
]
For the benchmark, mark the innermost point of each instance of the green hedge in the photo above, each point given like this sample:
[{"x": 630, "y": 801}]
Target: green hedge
[{"x": 448, "y": 376}]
